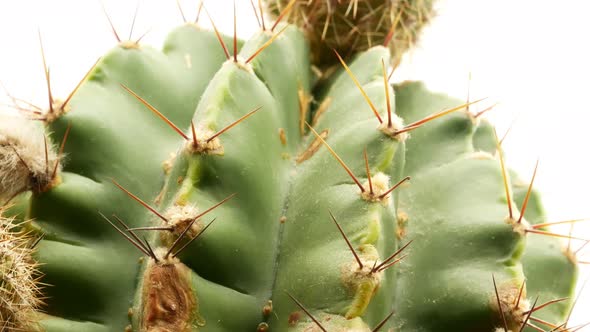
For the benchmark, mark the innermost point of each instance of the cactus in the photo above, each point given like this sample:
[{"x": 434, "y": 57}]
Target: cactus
[{"x": 232, "y": 190}]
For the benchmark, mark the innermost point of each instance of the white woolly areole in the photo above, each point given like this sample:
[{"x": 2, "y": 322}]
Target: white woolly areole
[
  {"x": 180, "y": 216},
  {"x": 22, "y": 157},
  {"x": 203, "y": 134},
  {"x": 381, "y": 184},
  {"x": 397, "y": 123},
  {"x": 518, "y": 227}
]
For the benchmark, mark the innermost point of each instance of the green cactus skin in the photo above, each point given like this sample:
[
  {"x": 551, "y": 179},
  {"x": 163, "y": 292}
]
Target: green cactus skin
[
  {"x": 113, "y": 136},
  {"x": 273, "y": 239},
  {"x": 550, "y": 268},
  {"x": 550, "y": 272}
]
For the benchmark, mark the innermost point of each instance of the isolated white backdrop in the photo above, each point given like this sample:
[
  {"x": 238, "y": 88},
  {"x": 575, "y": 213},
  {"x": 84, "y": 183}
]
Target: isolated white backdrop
[{"x": 532, "y": 56}]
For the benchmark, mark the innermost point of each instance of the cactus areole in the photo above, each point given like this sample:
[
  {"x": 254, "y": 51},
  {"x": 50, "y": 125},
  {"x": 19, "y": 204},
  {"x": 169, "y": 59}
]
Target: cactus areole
[{"x": 269, "y": 185}]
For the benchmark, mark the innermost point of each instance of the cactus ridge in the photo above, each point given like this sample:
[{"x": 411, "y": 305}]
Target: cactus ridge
[{"x": 318, "y": 226}]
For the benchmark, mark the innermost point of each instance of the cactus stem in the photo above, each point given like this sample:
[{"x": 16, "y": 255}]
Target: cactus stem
[
  {"x": 500, "y": 305},
  {"x": 337, "y": 158},
  {"x": 380, "y": 325},
  {"x": 194, "y": 238},
  {"x": 546, "y": 304},
  {"x": 61, "y": 151},
  {"x": 155, "y": 111},
  {"x": 193, "y": 221},
  {"x": 368, "y": 173},
  {"x": 504, "y": 177},
  {"x": 181, "y": 11},
  {"x": 227, "y": 56},
  {"x": 140, "y": 201},
  {"x": 233, "y": 124},
  {"x": 110, "y": 22},
  {"x": 358, "y": 85},
  {"x": 140, "y": 247},
  {"x": 392, "y": 256},
  {"x": 528, "y": 194},
  {"x": 306, "y": 312},
  {"x": 283, "y": 13},
  {"x": 525, "y": 323},
  {"x": 267, "y": 44},
  {"x": 387, "y": 98},
  {"x": 356, "y": 256},
  {"x": 407, "y": 178}
]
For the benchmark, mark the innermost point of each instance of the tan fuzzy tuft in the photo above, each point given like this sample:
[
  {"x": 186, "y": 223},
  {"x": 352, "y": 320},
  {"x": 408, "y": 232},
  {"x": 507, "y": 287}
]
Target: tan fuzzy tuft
[
  {"x": 397, "y": 124},
  {"x": 508, "y": 294},
  {"x": 353, "y": 26},
  {"x": 179, "y": 217},
  {"x": 380, "y": 182},
  {"x": 213, "y": 147},
  {"x": 23, "y": 165},
  {"x": 20, "y": 295}
]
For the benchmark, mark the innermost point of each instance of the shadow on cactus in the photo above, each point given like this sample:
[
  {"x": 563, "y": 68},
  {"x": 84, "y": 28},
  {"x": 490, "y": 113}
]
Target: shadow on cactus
[{"x": 223, "y": 185}]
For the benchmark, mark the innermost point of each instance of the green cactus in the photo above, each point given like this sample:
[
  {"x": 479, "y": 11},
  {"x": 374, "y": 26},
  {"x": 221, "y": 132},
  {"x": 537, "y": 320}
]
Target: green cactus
[{"x": 317, "y": 227}]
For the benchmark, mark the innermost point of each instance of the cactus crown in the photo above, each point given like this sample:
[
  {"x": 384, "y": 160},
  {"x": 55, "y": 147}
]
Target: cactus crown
[{"x": 353, "y": 26}]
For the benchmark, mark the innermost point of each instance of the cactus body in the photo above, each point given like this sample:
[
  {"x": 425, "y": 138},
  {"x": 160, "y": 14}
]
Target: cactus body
[{"x": 440, "y": 251}]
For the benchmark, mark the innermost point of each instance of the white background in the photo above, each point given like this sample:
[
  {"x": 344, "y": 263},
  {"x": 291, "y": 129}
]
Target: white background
[{"x": 531, "y": 56}]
